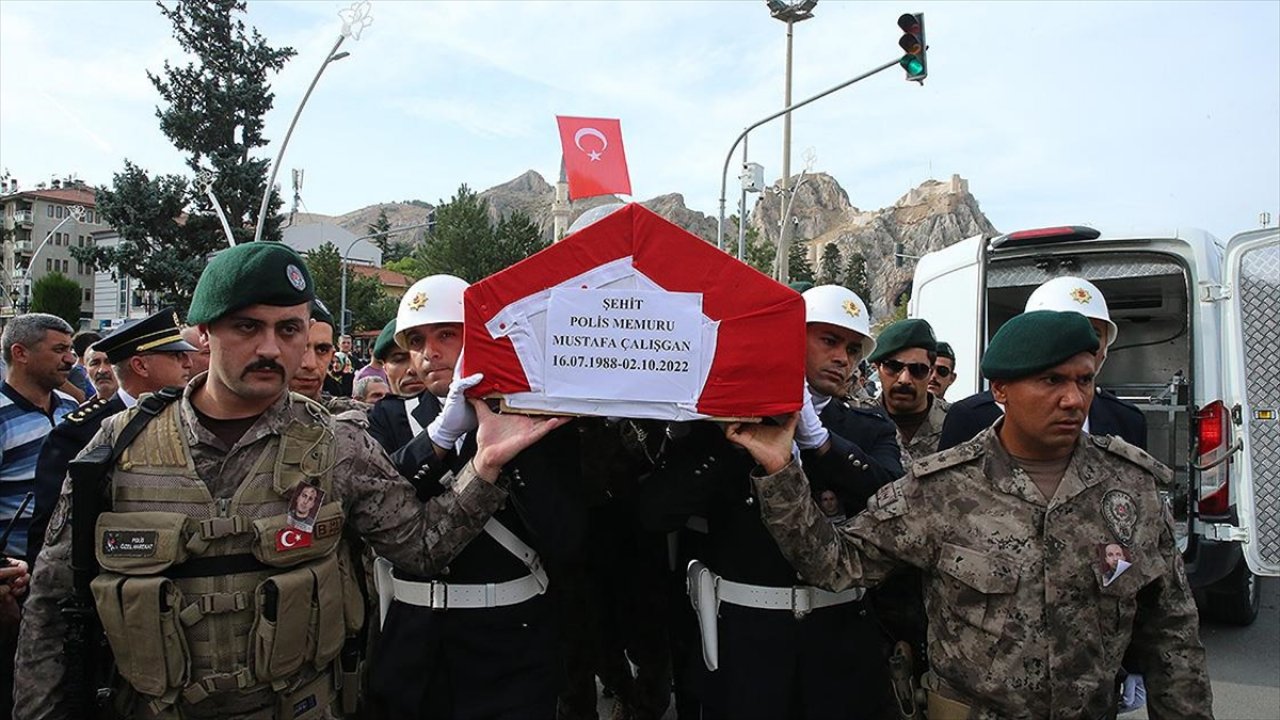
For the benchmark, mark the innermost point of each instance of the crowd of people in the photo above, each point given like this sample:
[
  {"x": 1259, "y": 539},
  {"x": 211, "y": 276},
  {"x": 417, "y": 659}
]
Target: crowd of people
[{"x": 282, "y": 530}]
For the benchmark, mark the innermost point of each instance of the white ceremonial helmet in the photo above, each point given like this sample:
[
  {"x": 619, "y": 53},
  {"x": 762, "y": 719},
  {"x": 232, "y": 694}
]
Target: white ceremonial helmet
[
  {"x": 433, "y": 299},
  {"x": 594, "y": 215},
  {"x": 1073, "y": 294},
  {"x": 839, "y": 306}
]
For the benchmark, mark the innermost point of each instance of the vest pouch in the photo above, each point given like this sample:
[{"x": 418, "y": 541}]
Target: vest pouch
[
  {"x": 325, "y": 534},
  {"x": 141, "y": 543},
  {"x": 330, "y": 628},
  {"x": 282, "y": 633},
  {"x": 140, "y": 619}
]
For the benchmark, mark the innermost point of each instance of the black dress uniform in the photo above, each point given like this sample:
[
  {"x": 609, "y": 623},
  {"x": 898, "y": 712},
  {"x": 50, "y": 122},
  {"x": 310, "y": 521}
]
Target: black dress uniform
[
  {"x": 773, "y": 665},
  {"x": 1108, "y": 415},
  {"x": 497, "y": 662},
  {"x": 389, "y": 420},
  {"x": 63, "y": 444}
]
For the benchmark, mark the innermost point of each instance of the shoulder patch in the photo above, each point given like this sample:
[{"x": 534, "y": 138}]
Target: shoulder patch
[
  {"x": 964, "y": 452},
  {"x": 888, "y": 502},
  {"x": 1134, "y": 454}
]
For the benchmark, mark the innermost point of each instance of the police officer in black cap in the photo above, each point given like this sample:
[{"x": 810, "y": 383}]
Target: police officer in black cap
[{"x": 145, "y": 355}]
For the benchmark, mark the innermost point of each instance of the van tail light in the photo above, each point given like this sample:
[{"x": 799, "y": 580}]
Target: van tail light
[{"x": 1212, "y": 431}]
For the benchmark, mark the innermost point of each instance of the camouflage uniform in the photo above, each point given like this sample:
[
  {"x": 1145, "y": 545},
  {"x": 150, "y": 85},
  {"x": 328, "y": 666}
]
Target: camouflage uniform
[
  {"x": 379, "y": 505},
  {"x": 1021, "y": 624},
  {"x": 925, "y": 441}
]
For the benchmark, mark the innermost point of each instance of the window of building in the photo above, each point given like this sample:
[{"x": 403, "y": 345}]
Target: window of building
[
  {"x": 66, "y": 266},
  {"x": 50, "y": 209},
  {"x": 79, "y": 267},
  {"x": 59, "y": 212},
  {"x": 88, "y": 295},
  {"x": 48, "y": 264}
]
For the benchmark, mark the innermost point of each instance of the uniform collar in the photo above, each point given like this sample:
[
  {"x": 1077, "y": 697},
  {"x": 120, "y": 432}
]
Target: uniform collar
[
  {"x": 1007, "y": 477},
  {"x": 128, "y": 400},
  {"x": 271, "y": 422}
]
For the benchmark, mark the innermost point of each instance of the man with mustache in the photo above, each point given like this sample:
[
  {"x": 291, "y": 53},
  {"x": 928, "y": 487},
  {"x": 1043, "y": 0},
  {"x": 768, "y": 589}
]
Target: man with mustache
[
  {"x": 1108, "y": 414},
  {"x": 212, "y": 604},
  {"x": 39, "y": 355},
  {"x": 142, "y": 356},
  {"x": 944, "y": 371},
  {"x": 100, "y": 373},
  {"x": 1023, "y": 623},
  {"x": 904, "y": 357}
]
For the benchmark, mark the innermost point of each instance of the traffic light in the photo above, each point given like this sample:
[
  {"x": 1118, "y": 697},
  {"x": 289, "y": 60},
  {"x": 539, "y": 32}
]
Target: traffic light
[{"x": 914, "y": 46}]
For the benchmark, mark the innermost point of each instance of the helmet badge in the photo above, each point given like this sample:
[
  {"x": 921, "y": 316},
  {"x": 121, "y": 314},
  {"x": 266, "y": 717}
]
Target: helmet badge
[
  {"x": 1081, "y": 296},
  {"x": 851, "y": 308},
  {"x": 418, "y": 301}
]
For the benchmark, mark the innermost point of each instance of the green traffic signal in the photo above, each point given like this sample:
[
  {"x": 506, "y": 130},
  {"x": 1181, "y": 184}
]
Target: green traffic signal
[{"x": 913, "y": 44}]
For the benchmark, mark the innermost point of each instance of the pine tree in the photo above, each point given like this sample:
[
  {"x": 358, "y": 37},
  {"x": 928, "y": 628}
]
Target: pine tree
[
  {"x": 798, "y": 263},
  {"x": 59, "y": 295},
  {"x": 393, "y": 248},
  {"x": 369, "y": 306},
  {"x": 829, "y": 265},
  {"x": 855, "y": 276},
  {"x": 213, "y": 112},
  {"x": 466, "y": 243}
]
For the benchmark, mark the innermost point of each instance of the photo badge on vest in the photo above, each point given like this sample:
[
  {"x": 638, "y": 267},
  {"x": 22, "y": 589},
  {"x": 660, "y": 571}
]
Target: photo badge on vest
[
  {"x": 1113, "y": 560},
  {"x": 300, "y": 521}
]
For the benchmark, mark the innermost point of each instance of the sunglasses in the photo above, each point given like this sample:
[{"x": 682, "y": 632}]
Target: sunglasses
[
  {"x": 942, "y": 370},
  {"x": 919, "y": 371}
]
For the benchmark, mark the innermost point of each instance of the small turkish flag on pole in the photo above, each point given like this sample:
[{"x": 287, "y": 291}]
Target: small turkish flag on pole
[{"x": 594, "y": 160}]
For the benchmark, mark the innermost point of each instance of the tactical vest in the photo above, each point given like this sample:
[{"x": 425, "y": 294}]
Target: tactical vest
[{"x": 215, "y": 606}]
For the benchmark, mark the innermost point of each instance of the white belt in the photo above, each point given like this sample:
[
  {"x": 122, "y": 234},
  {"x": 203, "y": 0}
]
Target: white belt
[
  {"x": 799, "y": 599},
  {"x": 451, "y": 596}
]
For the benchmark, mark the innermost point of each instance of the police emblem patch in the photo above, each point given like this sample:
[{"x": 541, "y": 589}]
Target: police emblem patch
[
  {"x": 1081, "y": 296},
  {"x": 1121, "y": 515},
  {"x": 851, "y": 308},
  {"x": 418, "y": 301},
  {"x": 296, "y": 278}
]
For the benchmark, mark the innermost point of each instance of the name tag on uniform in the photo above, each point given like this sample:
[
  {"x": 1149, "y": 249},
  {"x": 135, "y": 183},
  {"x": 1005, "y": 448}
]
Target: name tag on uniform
[{"x": 129, "y": 543}]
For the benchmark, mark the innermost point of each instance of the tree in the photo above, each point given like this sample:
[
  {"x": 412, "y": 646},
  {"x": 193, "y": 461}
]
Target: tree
[
  {"x": 829, "y": 265},
  {"x": 798, "y": 262},
  {"x": 59, "y": 295},
  {"x": 855, "y": 276},
  {"x": 213, "y": 112},
  {"x": 465, "y": 242},
  {"x": 370, "y": 307},
  {"x": 392, "y": 249}
]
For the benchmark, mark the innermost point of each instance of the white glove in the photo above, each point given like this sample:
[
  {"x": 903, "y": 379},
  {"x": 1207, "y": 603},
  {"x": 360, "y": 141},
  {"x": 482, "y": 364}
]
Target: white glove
[
  {"x": 810, "y": 434},
  {"x": 1133, "y": 694},
  {"x": 456, "y": 418}
]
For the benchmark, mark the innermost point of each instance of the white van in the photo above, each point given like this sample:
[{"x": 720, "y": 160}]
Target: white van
[{"x": 1198, "y": 352}]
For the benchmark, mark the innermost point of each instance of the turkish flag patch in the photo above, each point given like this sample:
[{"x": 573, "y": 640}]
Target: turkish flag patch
[{"x": 292, "y": 539}]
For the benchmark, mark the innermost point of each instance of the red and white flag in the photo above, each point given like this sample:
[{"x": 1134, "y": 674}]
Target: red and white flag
[{"x": 594, "y": 160}]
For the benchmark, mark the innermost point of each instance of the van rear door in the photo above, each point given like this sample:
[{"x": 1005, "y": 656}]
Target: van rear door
[
  {"x": 1252, "y": 388},
  {"x": 948, "y": 290}
]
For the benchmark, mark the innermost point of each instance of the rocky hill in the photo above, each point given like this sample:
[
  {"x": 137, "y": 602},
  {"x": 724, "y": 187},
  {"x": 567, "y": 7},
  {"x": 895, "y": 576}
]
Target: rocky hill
[{"x": 929, "y": 217}]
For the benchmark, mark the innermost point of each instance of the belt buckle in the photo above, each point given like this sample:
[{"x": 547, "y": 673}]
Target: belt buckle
[
  {"x": 801, "y": 601},
  {"x": 439, "y": 595}
]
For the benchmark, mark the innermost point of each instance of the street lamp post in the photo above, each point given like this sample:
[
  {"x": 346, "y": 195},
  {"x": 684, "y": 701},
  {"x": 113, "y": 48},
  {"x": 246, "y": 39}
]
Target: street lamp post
[
  {"x": 75, "y": 212},
  {"x": 790, "y": 13},
  {"x": 342, "y": 316}
]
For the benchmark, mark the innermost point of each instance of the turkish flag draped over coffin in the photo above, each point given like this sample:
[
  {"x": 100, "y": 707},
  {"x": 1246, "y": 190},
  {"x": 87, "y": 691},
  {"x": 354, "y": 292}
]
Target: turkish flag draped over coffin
[{"x": 633, "y": 316}]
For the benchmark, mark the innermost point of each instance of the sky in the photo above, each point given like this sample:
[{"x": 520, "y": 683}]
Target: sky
[{"x": 1118, "y": 115}]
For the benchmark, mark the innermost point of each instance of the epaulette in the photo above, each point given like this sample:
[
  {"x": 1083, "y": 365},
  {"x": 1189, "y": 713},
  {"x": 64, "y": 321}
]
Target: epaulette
[
  {"x": 964, "y": 452},
  {"x": 1134, "y": 454},
  {"x": 86, "y": 411}
]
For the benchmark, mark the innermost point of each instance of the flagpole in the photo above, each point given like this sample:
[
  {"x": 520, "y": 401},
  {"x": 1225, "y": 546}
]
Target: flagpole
[{"x": 724, "y": 175}]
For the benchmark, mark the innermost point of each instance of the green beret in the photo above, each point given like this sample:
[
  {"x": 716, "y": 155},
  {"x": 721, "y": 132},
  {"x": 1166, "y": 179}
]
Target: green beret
[
  {"x": 913, "y": 333},
  {"x": 1035, "y": 341},
  {"x": 800, "y": 286},
  {"x": 252, "y": 273},
  {"x": 386, "y": 341},
  {"x": 320, "y": 313},
  {"x": 944, "y": 350}
]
